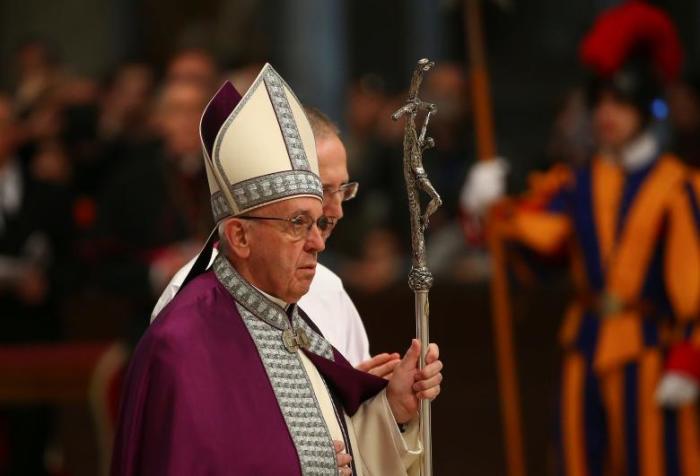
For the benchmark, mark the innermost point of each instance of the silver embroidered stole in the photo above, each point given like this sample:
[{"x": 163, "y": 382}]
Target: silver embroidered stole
[{"x": 267, "y": 322}]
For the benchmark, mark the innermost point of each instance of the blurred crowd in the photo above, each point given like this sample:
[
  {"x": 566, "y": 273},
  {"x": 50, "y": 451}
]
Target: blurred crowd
[
  {"x": 103, "y": 194},
  {"x": 103, "y": 198}
]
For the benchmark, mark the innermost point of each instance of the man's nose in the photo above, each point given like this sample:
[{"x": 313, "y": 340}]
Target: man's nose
[
  {"x": 333, "y": 206},
  {"x": 314, "y": 240}
]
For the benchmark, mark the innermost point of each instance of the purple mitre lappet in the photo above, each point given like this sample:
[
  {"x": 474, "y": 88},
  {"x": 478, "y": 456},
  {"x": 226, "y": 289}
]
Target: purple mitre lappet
[{"x": 216, "y": 385}]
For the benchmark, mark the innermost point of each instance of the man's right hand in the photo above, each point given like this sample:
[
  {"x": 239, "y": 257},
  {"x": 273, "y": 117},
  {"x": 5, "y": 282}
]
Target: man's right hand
[
  {"x": 381, "y": 365},
  {"x": 342, "y": 458}
]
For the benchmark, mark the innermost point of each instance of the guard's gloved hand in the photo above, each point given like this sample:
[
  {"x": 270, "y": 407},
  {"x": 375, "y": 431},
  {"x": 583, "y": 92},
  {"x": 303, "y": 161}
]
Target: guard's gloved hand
[
  {"x": 680, "y": 383},
  {"x": 676, "y": 390},
  {"x": 485, "y": 183}
]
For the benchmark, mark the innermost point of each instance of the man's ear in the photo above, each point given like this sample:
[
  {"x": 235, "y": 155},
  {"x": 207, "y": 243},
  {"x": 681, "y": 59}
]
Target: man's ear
[{"x": 237, "y": 235}]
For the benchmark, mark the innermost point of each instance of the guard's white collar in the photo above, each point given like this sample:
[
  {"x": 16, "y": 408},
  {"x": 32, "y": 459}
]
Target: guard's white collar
[{"x": 640, "y": 152}]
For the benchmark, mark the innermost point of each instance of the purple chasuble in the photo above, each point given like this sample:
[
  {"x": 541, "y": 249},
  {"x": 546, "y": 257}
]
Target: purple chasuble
[{"x": 198, "y": 400}]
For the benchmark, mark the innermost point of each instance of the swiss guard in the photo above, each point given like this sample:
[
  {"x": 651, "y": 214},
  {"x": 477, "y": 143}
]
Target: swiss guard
[{"x": 626, "y": 218}]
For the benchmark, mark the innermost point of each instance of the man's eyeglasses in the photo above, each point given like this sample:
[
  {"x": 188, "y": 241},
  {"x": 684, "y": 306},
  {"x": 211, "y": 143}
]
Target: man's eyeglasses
[
  {"x": 300, "y": 226},
  {"x": 347, "y": 191}
]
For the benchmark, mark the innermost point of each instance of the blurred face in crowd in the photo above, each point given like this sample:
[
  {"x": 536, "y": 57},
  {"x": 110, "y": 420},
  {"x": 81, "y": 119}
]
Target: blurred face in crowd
[
  {"x": 684, "y": 106},
  {"x": 178, "y": 115},
  {"x": 130, "y": 90},
  {"x": 446, "y": 86},
  {"x": 333, "y": 169},
  {"x": 364, "y": 105},
  {"x": 8, "y": 130},
  {"x": 33, "y": 58},
  {"x": 616, "y": 122},
  {"x": 195, "y": 66},
  {"x": 269, "y": 255}
]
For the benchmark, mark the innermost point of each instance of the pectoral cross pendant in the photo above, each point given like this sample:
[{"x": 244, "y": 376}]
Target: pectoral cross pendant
[{"x": 295, "y": 339}]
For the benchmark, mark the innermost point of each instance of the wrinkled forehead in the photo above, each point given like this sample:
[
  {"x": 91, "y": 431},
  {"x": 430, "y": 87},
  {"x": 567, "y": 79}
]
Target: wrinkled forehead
[{"x": 293, "y": 206}]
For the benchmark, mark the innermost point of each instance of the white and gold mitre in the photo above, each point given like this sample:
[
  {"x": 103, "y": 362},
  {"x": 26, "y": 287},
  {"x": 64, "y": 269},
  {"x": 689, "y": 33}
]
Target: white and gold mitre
[{"x": 259, "y": 148}]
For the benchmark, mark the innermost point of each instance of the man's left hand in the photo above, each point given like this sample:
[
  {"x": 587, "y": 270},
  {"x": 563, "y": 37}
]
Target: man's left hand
[
  {"x": 408, "y": 384},
  {"x": 381, "y": 365}
]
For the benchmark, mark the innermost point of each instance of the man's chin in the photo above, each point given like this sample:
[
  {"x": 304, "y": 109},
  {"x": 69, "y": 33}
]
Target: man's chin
[
  {"x": 303, "y": 281},
  {"x": 306, "y": 275}
]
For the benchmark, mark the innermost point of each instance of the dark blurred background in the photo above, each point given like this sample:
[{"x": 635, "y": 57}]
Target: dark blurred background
[{"x": 103, "y": 196}]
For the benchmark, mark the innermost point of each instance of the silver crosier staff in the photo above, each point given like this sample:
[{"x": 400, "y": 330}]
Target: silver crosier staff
[{"x": 419, "y": 279}]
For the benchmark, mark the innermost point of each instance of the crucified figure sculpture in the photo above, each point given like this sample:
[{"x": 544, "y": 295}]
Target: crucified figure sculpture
[{"x": 414, "y": 145}]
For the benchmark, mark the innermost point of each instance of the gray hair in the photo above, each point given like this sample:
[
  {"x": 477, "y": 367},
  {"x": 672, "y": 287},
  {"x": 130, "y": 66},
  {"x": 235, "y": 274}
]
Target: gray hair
[
  {"x": 321, "y": 125},
  {"x": 224, "y": 248}
]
